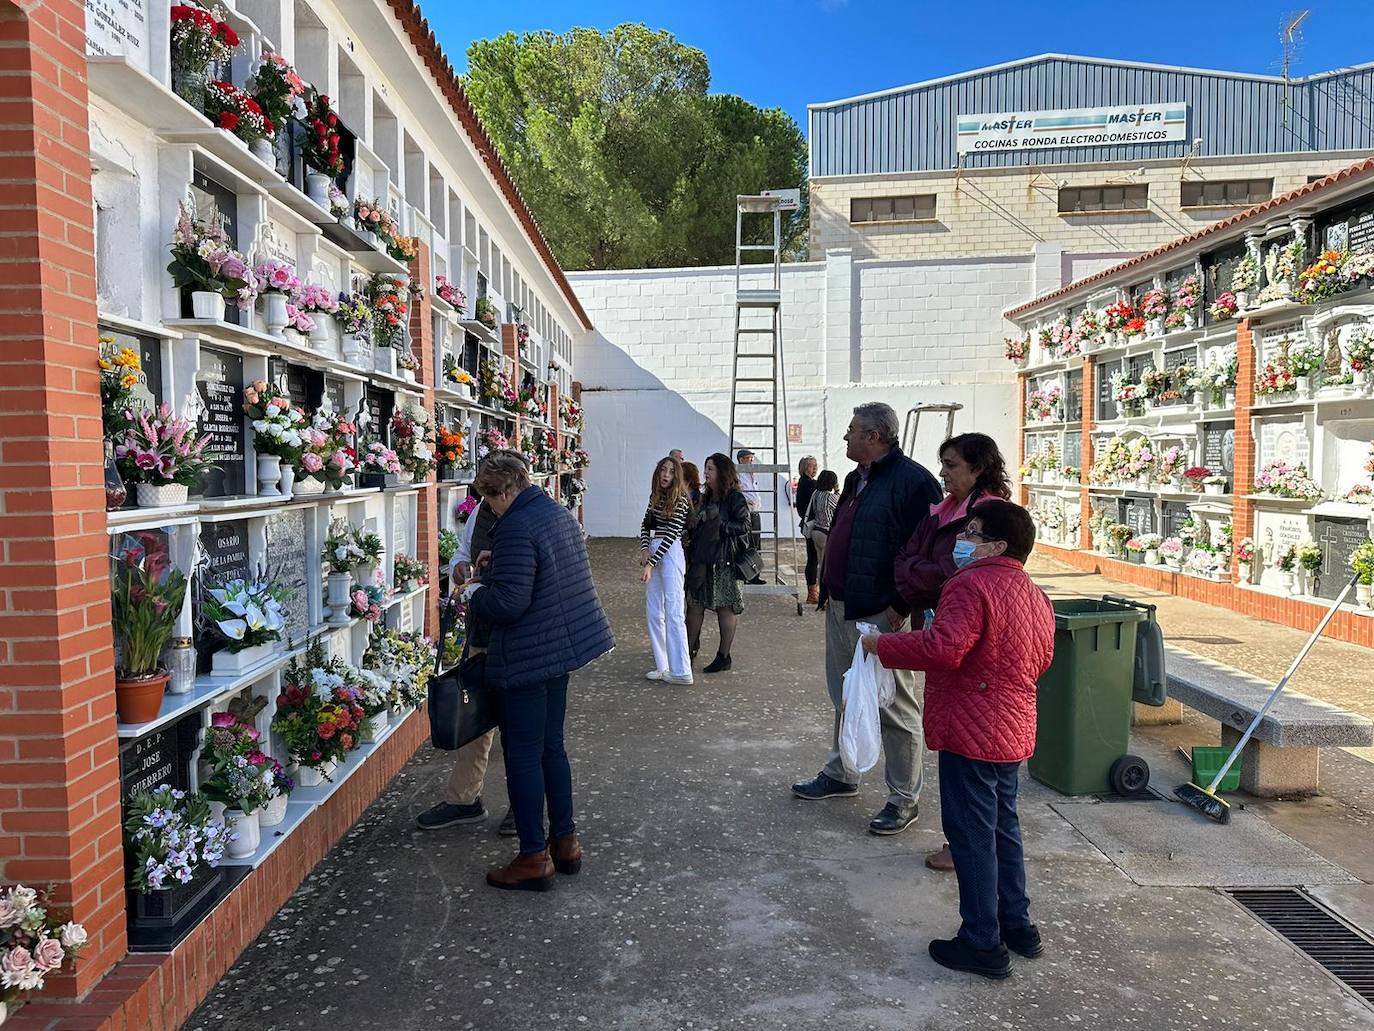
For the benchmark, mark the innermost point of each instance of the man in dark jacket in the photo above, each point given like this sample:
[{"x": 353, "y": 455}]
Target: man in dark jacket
[
  {"x": 882, "y": 503},
  {"x": 546, "y": 621}
]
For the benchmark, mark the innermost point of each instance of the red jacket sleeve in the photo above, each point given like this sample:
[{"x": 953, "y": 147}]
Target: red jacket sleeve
[
  {"x": 919, "y": 575},
  {"x": 958, "y": 625}
]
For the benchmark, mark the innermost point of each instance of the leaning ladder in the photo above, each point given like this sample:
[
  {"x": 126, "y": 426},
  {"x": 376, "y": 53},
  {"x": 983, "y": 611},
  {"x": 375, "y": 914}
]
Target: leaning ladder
[{"x": 758, "y": 398}]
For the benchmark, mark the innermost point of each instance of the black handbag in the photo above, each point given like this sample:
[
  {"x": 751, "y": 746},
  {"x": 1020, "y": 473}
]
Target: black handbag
[
  {"x": 462, "y": 705},
  {"x": 746, "y": 559}
]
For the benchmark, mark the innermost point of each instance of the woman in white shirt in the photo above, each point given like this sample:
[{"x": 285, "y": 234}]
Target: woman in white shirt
[{"x": 663, "y": 569}]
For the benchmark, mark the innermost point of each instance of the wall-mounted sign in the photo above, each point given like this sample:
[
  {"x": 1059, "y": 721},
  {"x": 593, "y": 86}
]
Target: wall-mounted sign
[
  {"x": 1073, "y": 127},
  {"x": 791, "y": 199},
  {"x": 118, "y": 27},
  {"x": 220, "y": 383},
  {"x": 794, "y": 433}
]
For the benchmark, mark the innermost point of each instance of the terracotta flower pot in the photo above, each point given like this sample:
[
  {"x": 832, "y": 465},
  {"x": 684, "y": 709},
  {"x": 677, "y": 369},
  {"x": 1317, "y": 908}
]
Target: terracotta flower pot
[{"x": 139, "y": 701}]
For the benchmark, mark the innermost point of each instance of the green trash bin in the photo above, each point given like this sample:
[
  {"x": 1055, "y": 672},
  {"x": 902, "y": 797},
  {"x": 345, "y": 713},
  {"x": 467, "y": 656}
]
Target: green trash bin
[{"x": 1083, "y": 702}]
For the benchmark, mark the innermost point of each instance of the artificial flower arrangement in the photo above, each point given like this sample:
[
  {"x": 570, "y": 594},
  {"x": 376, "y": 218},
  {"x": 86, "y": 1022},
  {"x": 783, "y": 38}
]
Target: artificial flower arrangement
[
  {"x": 581, "y": 459},
  {"x": 1171, "y": 461},
  {"x": 1196, "y": 475},
  {"x": 241, "y": 775},
  {"x": 1109, "y": 464},
  {"x": 160, "y": 449},
  {"x": 1171, "y": 550},
  {"x": 491, "y": 439},
  {"x": 573, "y": 489},
  {"x": 532, "y": 405},
  {"x": 1127, "y": 394},
  {"x": 1245, "y": 550},
  {"x": 1042, "y": 404},
  {"x": 299, "y": 320},
  {"x": 1217, "y": 378},
  {"x": 1245, "y": 276},
  {"x": 1070, "y": 472},
  {"x": 372, "y": 216},
  {"x": 405, "y": 659},
  {"x": 1360, "y": 494},
  {"x": 277, "y": 88},
  {"x": 412, "y": 438},
  {"x": 450, "y": 293},
  {"x": 320, "y": 150},
  {"x": 121, "y": 371},
  {"x": 1286, "y": 561},
  {"x": 406, "y": 360},
  {"x": 1117, "y": 536},
  {"x": 325, "y": 453},
  {"x": 376, "y": 458},
  {"x": 1187, "y": 297},
  {"x": 454, "y": 373},
  {"x": 1153, "y": 382},
  {"x": 339, "y": 206},
  {"x": 369, "y": 545},
  {"x": 237, "y": 113},
  {"x": 1135, "y": 545},
  {"x": 275, "y": 276},
  {"x": 33, "y": 943},
  {"x": 1304, "y": 359},
  {"x": 1087, "y": 326},
  {"x": 1115, "y": 316},
  {"x": 485, "y": 313},
  {"x": 319, "y": 711},
  {"x": 1176, "y": 319},
  {"x": 376, "y": 697},
  {"x": 1280, "y": 480},
  {"x": 276, "y": 422},
  {"x": 1325, "y": 277},
  {"x": 1276, "y": 377},
  {"x": 1140, "y": 460},
  {"x": 313, "y": 299},
  {"x": 342, "y": 553},
  {"x": 389, "y": 309},
  {"x": 451, "y": 446},
  {"x": 245, "y": 613},
  {"x": 202, "y": 259},
  {"x": 571, "y": 411},
  {"x": 1282, "y": 263},
  {"x": 409, "y": 573},
  {"x": 355, "y": 316},
  {"x": 147, "y": 592},
  {"x": 1224, "y": 307},
  {"x": 448, "y": 546},
  {"x": 1134, "y": 327},
  {"x": 200, "y": 38},
  {"x": 465, "y": 509},
  {"x": 170, "y": 838},
  {"x": 1359, "y": 347},
  {"x": 366, "y": 601},
  {"x": 404, "y": 249},
  {"x": 1155, "y": 304}
]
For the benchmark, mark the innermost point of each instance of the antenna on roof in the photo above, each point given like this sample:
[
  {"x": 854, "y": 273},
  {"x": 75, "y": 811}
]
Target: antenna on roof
[{"x": 1290, "y": 36}]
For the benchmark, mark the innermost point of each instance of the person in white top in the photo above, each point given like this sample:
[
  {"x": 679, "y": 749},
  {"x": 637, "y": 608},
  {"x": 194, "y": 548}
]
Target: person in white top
[
  {"x": 749, "y": 487},
  {"x": 664, "y": 568}
]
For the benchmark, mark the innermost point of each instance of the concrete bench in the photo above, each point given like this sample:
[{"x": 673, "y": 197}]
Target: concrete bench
[{"x": 1282, "y": 756}]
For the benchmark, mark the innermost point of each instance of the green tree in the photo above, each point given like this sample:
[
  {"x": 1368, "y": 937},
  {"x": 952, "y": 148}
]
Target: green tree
[{"x": 622, "y": 154}]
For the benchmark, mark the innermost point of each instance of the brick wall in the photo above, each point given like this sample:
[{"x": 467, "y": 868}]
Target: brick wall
[
  {"x": 59, "y": 773},
  {"x": 1243, "y": 472},
  {"x": 427, "y": 522}
]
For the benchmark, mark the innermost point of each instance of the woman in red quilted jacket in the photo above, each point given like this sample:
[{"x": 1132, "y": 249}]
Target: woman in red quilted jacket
[{"x": 992, "y": 638}]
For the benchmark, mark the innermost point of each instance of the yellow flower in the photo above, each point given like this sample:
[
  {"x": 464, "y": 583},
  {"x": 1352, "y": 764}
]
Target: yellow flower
[
  {"x": 106, "y": 366},
  {"x": 128, "y": 381},
  {"x": 127, "y": 358},
  {"x": 105, "y": 340}
]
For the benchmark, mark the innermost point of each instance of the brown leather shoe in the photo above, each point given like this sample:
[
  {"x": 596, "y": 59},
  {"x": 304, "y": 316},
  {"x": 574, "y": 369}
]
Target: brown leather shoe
[
  {"x": 813, "y": 594},
  {"x": 567, "y": 853},
  {"x": 942, "y": 860},
  {"x": 525, "y": 873}
]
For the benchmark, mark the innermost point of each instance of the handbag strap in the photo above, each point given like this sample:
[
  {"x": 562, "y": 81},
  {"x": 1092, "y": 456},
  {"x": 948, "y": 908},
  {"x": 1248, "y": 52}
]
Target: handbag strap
[{"x": 448, "y": 619}]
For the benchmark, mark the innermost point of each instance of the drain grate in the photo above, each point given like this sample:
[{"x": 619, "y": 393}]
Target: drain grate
[{"x": 1345, "y": 952}]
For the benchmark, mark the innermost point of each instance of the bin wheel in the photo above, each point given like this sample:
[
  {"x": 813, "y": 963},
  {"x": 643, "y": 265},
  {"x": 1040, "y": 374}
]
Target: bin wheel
[{"x": 1130, "y": 775}]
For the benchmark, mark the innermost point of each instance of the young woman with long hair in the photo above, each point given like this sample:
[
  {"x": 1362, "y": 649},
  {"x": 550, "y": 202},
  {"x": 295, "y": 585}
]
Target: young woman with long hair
[
  {"x": 664, "y": 568},
  {"x": 717, "y": 525}
]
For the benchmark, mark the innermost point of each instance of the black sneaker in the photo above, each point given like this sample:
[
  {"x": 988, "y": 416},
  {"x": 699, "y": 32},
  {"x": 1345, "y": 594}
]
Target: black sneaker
[
  {"x": 446, "y": 815},
  {"x": 823, "y": 786},
  {"x": 893, "y": 819},
  {"x": 1024, "y": 941},
  {"x": 719, "y": 664},
  {"x": 507, "y": 828},
  {"x": 957, "y": 954}
]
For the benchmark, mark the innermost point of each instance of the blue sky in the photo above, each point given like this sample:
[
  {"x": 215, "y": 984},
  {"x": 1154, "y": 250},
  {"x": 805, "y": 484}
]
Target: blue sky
[{"x": 787, "y": 55}]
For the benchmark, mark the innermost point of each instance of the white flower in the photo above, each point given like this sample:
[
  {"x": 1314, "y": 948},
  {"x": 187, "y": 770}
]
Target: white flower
[
  {"x": 233, "y": 629},
  {"x": 73, "y": 935}
]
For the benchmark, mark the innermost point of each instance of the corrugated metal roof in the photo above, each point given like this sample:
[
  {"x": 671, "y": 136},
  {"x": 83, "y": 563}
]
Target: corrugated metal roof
[
  {"x": 913, "y": 128},
  {"x": 1361, "y": 170}
]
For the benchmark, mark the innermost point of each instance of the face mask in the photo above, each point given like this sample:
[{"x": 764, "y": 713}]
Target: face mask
[{"x": 963, "y": 553}]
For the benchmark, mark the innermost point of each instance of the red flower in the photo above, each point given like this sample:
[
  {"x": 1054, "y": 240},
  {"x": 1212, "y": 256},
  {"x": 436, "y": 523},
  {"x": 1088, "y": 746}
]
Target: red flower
[
  {"x": 228, "y": 120},
  {"x": 180, "y": 12},
  {"x": 346, "y": 740},
  {"x": 230, "y": 37},
  {"x": 268, "y": 127},
  {"x": 252, "y": 105},
  {"x": 326, "y": 731}
]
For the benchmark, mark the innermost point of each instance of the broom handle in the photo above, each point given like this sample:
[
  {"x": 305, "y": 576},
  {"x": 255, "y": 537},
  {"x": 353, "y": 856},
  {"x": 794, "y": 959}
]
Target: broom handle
[{"x": 1273, "y": 695}]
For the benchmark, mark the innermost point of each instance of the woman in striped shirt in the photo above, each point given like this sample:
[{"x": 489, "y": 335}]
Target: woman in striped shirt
[{"x": 664, "y": 567}]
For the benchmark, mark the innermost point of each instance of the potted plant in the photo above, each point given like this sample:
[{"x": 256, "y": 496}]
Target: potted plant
[
  {"x": 1224, "y": 307},
  {"x": 200, "y": 38},
  {"x": 320, "y": 148},
  {"x": 409, "y": 574},
  {"x": 173, "y": 849},
  {"x": 1171, "y": 550},
  {"x": 1310, "y": 564},
  {"x": 1359, "y": 353},
  {"x": 376, "y": 703},
  {"x": 1287, "y": 564},
  {"x": 204, "y": 262},
  {"x": 1214, "y": 484},
  {"x": 1135, "y": 550},
  {"x": 1149, "y": 546},
  {"x": 1244, "y": 278},
  {"x": 322, "y": 305},
  {"x": 485, "y": 313},
  {"x": 240, "y": 780},
  {"x": 277, "y": 441},
  {"x": 34, "y": 943},
  {"x": 1196, "y": 476},
  {"x": 248, "y": 616},
  {"x": 146, "y": 594},
  {"x": 341, "y": 556},
  {"x": 238, "y": 114},
  {"x": 277, "y": 283},
  {"x": 277, "y": 89},
  {"x": 355, "y": 321},
  {"x": 1245, "y": 557},
  {"x": 412, "y": 439},
  {"x": 1305, "y": 361},
  {"x": 1362, "y": 565}
]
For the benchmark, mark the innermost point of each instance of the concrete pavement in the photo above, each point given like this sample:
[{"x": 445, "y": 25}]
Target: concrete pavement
[{"x": 711, "y": 898}]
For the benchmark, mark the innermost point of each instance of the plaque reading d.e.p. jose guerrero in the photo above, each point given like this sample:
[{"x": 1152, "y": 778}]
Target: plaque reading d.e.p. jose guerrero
[{"x": 162, "y": 757}]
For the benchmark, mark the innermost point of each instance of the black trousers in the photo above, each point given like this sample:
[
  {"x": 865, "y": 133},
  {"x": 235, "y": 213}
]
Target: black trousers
[{"x": 811, "y": 562}]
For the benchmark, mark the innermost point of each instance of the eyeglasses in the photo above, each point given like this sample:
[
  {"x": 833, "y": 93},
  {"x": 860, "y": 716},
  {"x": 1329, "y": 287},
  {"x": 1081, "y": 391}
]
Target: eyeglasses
[{"x": 975, "y": 534}]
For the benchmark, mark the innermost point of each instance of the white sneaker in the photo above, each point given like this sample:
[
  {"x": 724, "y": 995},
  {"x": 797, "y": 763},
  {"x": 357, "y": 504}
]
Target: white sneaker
[
  {"x": 673, "y": 678},
  {"x": 655, "y": 674}
]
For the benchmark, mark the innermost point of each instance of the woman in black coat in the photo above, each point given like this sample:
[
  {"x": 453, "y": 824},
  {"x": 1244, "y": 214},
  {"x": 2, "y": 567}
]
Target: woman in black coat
[{"x": 716, "y": 527}]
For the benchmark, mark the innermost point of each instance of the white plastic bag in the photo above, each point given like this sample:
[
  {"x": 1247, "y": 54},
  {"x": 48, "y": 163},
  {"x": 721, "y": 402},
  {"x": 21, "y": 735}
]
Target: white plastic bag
[{"x": 867, "y": 685}]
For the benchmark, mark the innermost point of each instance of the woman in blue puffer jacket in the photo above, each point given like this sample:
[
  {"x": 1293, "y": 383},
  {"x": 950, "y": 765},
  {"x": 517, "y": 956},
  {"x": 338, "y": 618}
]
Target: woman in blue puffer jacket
[{"x": 538, "y": 598}]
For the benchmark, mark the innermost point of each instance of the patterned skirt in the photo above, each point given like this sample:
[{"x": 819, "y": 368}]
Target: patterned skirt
[{"x": 720, "y": 591}]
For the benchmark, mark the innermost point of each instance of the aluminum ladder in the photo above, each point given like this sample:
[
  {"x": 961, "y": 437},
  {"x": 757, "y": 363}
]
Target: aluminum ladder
[
  {"x": 758, "y": 396},
  {"x": 913, "y": 423}
]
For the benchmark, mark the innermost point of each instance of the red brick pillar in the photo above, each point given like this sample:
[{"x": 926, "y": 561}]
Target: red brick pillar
[
  {"x": 1242, "y": 516},
  {"x": 427, "y": 520},
  {"x": 59, "y": 766},
  {"x": 1085, "y": 451}
]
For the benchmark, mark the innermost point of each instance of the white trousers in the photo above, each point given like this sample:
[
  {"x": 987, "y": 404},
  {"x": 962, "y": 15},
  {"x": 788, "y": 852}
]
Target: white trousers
[{"x": 665, "y": 606}]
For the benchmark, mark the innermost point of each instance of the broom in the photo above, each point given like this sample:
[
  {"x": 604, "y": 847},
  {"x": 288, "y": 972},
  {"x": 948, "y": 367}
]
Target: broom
[{"x": 1205, "y": 800}]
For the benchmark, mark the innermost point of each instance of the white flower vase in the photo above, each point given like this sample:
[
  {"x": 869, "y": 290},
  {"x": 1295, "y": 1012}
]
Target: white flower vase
[
  {"x": 317, "y": 188},
  {"x": 269, "y": 475},
  {"x": 225, "y": 663},
  {"x": 1228, "y": 399},
  {"x": 1173, "y": 562},
  {"x": 207, "y": 304},
  {"x": 1360, "y": 380},
  {"x": 1294, "y": 583},
  {"x": 310, "y": 777},
  {"x": 288, "y": 480},
  {"x": 1243, "y": 572},
  {"x": 1189, "y": 320},
  {"x": 1214, "y": 489},
  {"x": 161, "y": 495},
  {"x": 1154, "y": 327},
  {"x": 338, "y": 590},
  {"x": 1363, "y": 595},
  {"x": 1242, "y": 299},
  {"x": 319, "y": 332},
  {"x": 274, "y": 811},
  {"x": 1152, "y": 557},
  {"x": 274, "y": 311},
  {"x": 307, "y": 486},
  {"x": 249, "y": 835},
  {"x": 264, "y": 151},
  {"x": 412, "y": 586},
  {"x": 375, "y": 725},
  {"x": 384, "y": 360},
  {"x": 367, "y": 571},
  {"x": 1286, "y": 288},
  {"x": 353, "y": 349}
]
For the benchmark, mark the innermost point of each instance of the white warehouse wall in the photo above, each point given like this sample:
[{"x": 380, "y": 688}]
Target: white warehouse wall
[{"x": 656, "y": 372}]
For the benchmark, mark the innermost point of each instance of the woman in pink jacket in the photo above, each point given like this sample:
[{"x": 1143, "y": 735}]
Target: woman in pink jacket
[{"x": 992, "y": 638}]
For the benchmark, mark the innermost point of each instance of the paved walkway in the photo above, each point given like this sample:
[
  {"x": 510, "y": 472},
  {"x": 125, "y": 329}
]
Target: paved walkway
[{"x": 711, "y": 898}]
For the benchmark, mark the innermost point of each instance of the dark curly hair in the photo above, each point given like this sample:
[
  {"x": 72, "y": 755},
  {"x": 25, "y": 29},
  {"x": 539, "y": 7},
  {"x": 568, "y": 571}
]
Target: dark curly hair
[{"x": 985, "y": 459}]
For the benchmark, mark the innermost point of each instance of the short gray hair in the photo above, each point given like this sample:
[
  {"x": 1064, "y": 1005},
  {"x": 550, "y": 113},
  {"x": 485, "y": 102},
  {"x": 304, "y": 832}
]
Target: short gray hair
[
  {"x": 502, "y": 472},
  {"x": 881, "y": 419}
]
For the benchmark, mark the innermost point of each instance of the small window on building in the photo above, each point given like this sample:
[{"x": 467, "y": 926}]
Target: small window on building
[
  {"x": 1091, "y": 199},
  {"x": 1228, "y": 193},
  {"x": 908, "y": 208}
]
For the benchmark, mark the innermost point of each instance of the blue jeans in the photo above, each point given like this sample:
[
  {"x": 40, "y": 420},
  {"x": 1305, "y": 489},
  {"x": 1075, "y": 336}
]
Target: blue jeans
[
  {"x": 536, "y": 762},
  {"x": 978, "y": 811}
]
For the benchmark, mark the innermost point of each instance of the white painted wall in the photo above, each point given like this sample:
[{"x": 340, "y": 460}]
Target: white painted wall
[{"x": 656, "y": 374}]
